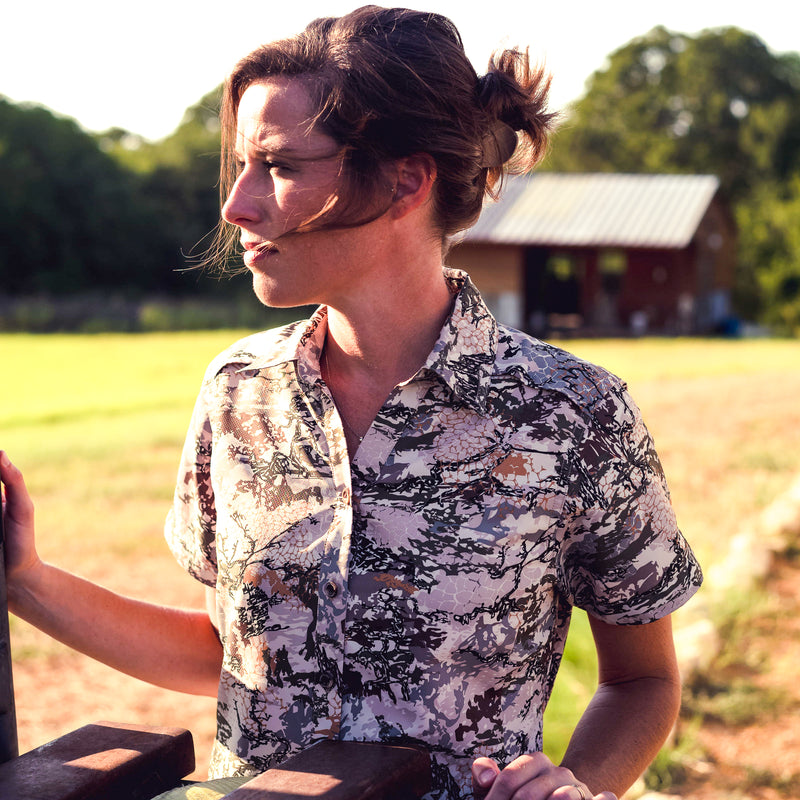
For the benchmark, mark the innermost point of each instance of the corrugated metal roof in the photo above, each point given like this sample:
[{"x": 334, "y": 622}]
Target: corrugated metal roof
[{"x": 597, "y": 210}]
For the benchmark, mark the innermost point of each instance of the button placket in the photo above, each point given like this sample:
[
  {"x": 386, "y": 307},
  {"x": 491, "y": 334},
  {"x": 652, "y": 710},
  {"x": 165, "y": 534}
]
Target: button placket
[{"x": 332, "y": 591}]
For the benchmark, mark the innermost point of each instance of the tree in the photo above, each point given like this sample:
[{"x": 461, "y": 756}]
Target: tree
[
  {"x": 718, "y": 103},
  {"x": 70, "y": 219},
  {"x": 771, "y": 218},
  {"x": 108, "y": 212},
  {"x": 179, "y": 174}
]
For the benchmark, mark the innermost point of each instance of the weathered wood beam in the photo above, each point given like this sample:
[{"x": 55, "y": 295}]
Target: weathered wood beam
[
  {"x": 334, "y": 770},
  {"x": 101, "y": 761}
]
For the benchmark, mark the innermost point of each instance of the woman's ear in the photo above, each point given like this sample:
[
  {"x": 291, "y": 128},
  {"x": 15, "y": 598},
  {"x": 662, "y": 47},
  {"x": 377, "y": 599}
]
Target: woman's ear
[{"x": 414, "y": 179}]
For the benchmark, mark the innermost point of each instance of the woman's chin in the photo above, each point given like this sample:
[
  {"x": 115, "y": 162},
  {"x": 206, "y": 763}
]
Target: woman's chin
[{"x": 273, "y": 295}]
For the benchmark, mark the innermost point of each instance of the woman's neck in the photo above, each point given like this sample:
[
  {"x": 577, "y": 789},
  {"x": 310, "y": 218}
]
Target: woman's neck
[
  {"x": 380, "y": 342},
  {"x": 388, "y": 333}
]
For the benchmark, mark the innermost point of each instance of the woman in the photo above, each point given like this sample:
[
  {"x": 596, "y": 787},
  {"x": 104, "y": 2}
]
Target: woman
[{"x": 395, "y": 504}]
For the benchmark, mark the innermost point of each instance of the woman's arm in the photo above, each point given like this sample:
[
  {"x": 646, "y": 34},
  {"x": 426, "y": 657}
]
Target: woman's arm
[
  {"x": 622, "y": 729},
  {"x": 634, "y": 708},
  {"x": 174, "y": 648}
]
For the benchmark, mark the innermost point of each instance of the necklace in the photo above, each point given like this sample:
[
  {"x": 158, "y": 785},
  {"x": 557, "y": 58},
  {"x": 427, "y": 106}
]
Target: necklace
[{"x": 326, "y": 377}]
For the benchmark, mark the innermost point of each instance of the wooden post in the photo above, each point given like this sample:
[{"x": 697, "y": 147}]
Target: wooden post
[
  {"x": 336, "y": 770},
  {"x": 9, "y": 746},
  {"x": 101, "y": 761}
]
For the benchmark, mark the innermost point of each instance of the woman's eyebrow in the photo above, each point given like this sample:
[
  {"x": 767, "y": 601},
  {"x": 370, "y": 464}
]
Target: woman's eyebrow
[{"x": 284, "y": 151}]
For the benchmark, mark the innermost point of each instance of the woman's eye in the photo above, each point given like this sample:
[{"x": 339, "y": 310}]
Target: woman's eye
[
  {"x": 273, "y": 166},
  {"x": 269, "y": 166}
]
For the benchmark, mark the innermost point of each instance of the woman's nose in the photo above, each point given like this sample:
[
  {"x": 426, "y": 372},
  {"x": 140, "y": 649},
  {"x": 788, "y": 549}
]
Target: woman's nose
[{"x": 242, "y": 206}]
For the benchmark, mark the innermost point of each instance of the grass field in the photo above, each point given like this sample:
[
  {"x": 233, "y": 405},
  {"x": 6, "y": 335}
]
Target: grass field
[{"x": 97, "y": 423}]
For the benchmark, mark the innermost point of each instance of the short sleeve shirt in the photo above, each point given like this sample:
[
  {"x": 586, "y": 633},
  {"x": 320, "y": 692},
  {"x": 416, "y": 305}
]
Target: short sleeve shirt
[{"x": 420, "y": 591}]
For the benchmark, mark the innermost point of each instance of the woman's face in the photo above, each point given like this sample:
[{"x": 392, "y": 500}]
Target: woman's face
[{"x": 288, "y": 173}]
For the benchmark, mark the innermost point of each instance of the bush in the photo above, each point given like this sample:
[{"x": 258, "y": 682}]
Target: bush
[{"x": 103, "y": 314}]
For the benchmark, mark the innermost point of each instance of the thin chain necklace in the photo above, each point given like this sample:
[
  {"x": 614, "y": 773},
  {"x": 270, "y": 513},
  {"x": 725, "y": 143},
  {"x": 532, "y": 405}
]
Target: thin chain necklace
[{"x": 326, "y": 377}]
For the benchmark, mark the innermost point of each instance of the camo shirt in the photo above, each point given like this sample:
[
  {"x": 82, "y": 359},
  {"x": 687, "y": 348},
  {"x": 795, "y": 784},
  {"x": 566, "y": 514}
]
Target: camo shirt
[{"x": 421, "y": 590}]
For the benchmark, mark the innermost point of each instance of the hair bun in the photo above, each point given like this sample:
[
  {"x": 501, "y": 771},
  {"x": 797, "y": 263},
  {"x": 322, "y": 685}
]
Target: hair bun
[
  {"x": 513, "y": 95},
  {"x": 498, "y": 145}
]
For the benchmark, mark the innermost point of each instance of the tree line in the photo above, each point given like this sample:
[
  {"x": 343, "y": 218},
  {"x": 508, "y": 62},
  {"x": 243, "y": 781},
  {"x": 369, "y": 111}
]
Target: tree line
[
  {"x": 92, "y": 212},
  {"x": 113, "y": 213}
]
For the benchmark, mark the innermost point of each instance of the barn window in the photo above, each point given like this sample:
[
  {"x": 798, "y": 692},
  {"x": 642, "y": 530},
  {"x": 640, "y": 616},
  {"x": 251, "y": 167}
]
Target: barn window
[
  {"x": 612, "y": 262},
  {"x": 612, "y": 265}
]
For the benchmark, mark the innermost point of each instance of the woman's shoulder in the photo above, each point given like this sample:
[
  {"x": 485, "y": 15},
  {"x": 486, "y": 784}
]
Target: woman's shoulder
[
  {"x": 544, "y": 367},
  {"x": 255, "y": 349}
]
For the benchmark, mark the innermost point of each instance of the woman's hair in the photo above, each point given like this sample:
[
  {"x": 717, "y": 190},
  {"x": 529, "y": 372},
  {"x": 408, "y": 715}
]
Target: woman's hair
[{"x": 391, "y": 82}]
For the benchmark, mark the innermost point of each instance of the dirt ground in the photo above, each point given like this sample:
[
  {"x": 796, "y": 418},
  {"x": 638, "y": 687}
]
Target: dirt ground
[{"x": 748, "y": 746}]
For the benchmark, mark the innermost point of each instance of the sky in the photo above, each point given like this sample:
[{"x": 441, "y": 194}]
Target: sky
[{"x": 139, "y": 65}]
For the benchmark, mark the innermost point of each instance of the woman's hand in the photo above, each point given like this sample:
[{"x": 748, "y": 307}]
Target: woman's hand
[
  {"x": 529, "y": 777},
  {"x": 21, "y": 558}
]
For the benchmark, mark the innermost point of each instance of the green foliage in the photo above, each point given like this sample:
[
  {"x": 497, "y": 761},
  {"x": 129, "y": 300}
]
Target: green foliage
[
  {"x": 211, "y": 314},
  {"x": 179, "y": 174},
  {"x": 717, "y": 103},
  {"x": 82, "y": 213},
  {"x": 198, "y": 135},
  {"x": 770, "y": 245},
  {"x": 94, "y": 313},
  {"x": 736, "y": 702},
  {"x": 70, "y": 218},
  {"x": 674, "y": 762},
  {"x": 574, "y": 686}
]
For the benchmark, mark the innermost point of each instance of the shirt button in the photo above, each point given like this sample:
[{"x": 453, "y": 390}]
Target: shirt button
[
  {"x": 327, "y": 680},
  {"x": 330, "y": 589}
]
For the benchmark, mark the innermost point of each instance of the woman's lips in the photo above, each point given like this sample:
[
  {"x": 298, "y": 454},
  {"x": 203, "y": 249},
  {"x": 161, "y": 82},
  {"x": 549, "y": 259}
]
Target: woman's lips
[{"x": 257, "y": 253}]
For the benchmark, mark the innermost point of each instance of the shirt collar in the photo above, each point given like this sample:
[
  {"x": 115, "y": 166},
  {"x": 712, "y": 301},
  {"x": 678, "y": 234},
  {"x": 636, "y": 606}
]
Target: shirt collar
[
  {"x": 463, "y": 356},
  {"x": 302, "y": 344}
]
